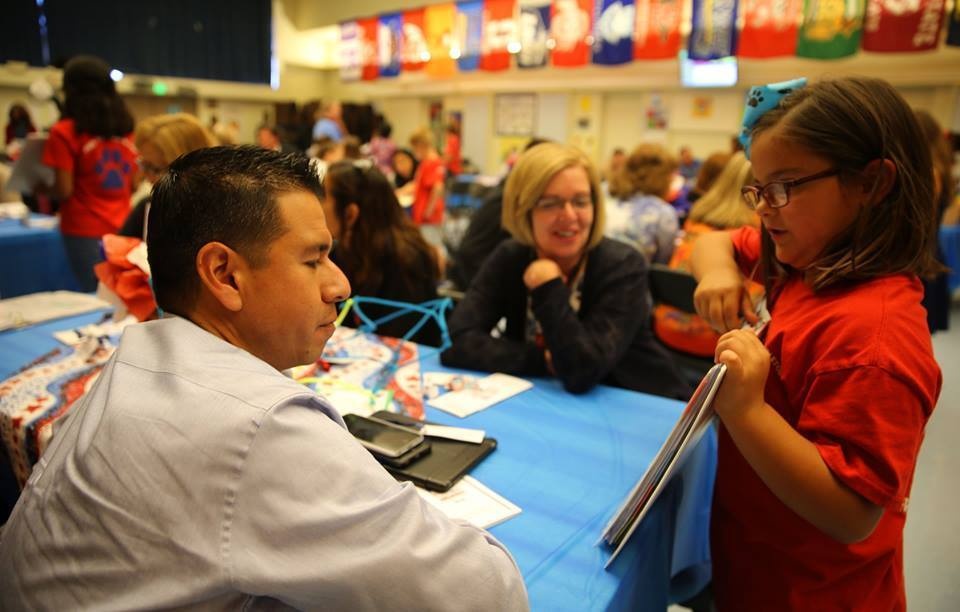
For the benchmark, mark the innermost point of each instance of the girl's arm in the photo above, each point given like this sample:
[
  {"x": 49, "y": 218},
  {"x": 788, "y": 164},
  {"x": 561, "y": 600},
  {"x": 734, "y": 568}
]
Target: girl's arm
[
  {"x": 721, "y": 294},
  {"x": 789, "y": 464},
  {"x": 62, "y": 187}
]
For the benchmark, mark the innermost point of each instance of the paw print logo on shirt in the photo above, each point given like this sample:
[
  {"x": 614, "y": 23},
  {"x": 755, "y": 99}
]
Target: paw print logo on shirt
[
  {"x": 112, "y": 168},
  {"x": 756, "y": 97}
]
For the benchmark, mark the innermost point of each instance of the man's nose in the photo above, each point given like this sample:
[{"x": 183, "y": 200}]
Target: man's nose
[{"x": 334, "y": 286}]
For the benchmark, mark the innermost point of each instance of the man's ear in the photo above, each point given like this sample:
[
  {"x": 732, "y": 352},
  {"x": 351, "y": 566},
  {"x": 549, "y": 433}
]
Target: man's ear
[
  {"x": 879, "y": 177},
  {"x": 350, "y": 215},
  {"x": 217, "y": 266}
]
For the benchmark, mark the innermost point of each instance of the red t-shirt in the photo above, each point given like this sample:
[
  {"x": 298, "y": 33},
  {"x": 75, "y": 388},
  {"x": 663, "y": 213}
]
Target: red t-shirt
[
  {"x": 429, "y": 173},
  {"x": 103, "y": 171},
  {"x": 452, "y": 153},
  {"x": 852, "y": 370}
]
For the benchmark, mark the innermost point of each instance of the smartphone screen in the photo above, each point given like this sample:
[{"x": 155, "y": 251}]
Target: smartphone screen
[{"x": 380, "y": 436}]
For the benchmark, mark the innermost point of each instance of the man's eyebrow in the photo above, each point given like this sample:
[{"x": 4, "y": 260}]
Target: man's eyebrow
[{"x": 319, "y": 248}]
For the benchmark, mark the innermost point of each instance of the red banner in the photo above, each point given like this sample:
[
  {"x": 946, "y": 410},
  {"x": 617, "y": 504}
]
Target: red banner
[
  {"x": 499, "y": 30},
  {"x": 902, "y": 25},
  {"x": 370, "y": 67},
  {"x": 413, "y": 51},
  {"x": 657, "y": 31},
  {"x": 770, "y": 28},
  {"x": 571, "y": 28}
]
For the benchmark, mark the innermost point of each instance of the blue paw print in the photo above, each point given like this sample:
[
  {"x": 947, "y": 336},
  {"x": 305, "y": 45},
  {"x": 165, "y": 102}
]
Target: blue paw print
[
  {"x": 756, "y": 97},
  {"x": 112, "y": 169}
]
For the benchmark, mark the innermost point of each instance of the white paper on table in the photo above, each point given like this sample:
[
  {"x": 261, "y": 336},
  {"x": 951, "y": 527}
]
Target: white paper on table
[
  {"x": 29, "y": 169},
  {"x": 471, "y": 501},
  {"x": 45, "y": 306},
  {"x": 488, "y": 391},
  {"x": 461, "y": 434}
]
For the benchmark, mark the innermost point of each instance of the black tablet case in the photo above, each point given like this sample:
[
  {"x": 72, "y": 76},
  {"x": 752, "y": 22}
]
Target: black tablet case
[{"x": 445, "y": 464}]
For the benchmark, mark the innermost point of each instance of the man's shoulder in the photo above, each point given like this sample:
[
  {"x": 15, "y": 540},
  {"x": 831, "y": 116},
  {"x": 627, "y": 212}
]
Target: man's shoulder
[{"x": 179, "y": 349}]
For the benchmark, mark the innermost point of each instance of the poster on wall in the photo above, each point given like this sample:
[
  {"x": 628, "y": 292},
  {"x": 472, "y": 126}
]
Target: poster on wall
[
  {"x": 413, "y": 50},
  {"x": 657, "y": 29},
  {"x": 658, "y": 119},
  {"x": 499, "y": 30},
  {"x": 831, "y": 29},
  {"x": 571, "y": 23},
  {"x": 468, "y": 26},
  {"x": 389, "y": 33},
  {"x": 534, "y": 33},
  {"x": 438, "y": 22},
  {"x": 515, "y": 114},
  {"x": 702, "y": 107},
  {"x": 350, "y": 51},
  {"x": 769, "y": 28},
  {"x": 713, "y": 31}
]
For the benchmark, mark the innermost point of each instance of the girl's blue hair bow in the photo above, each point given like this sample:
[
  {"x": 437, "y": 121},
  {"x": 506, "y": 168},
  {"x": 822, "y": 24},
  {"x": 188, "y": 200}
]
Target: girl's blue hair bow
[{"x": 761, "y": 99}]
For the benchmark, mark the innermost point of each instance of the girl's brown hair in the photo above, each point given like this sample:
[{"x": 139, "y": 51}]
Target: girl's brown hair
[
  {"x": 649, "y": 169},
  {"x": 383, "y": 240},
  {"x": 852, "y": 122}
]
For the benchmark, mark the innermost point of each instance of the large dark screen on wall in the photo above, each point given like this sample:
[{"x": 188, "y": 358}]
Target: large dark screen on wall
[
  {"x": 20, "y": 32},
  {"x": 211, "y": 39}
]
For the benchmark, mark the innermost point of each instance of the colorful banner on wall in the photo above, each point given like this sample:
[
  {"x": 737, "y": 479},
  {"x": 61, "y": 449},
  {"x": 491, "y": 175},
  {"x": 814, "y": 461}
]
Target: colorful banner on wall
[
  {"x": 389, "y": 37},
  {"x": 571, "y": 27},
  {"x": 367, "y": 33},
  {"x": 413, "y": 50},
  {"x": 613, "y": 32},
  {"x": 438, "y": 21},
  {"x": 900, "y": 26},
  {"x": 350, "y": 49},
  {"x": 713, "y": 32},
  {"x": 657, "y": 30},
  {"x": 534, "y": 32},
  {"x": 953, "y": 26},
  {"x": 831, "y": 28},
  {"x": 469, "y": 28},
  {"x": 499, "y": 30},
  {"x": 769, "y": 28}
]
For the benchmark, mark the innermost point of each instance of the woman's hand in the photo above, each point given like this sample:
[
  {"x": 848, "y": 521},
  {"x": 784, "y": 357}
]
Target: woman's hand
[
  {"x": 539, "y": 272},
  {"x": 720, "y": 298},
  {"x": 748, "y": 364}
]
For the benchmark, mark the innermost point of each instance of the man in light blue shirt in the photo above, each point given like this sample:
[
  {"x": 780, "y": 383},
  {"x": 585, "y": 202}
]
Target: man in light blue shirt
[
  {"x": 195, "y": 475},
  {"x": 328, "y": 126}
]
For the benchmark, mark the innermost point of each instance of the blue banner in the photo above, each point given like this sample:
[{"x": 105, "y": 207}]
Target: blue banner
[
  {"x": 534, "y": 33},
  {"x": 389, "y": 35},
  {"x": 613, "y": 32},
  {"x": 469, "y": 27},
  {"x": 713, "y": 31}
]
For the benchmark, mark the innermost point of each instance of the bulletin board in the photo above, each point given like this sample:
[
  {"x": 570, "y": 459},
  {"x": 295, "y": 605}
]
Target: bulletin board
[{"x": 515, "y": 114}]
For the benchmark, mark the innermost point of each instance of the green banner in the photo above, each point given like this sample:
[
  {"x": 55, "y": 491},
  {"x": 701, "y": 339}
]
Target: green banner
[{"x": 831, "y": 28}]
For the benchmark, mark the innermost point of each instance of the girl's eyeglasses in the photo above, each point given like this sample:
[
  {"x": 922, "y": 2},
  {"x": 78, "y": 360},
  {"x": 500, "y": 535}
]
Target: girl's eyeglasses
[
  {"x": 552, "y": 204},
  {"x": 777, "y": 193}
]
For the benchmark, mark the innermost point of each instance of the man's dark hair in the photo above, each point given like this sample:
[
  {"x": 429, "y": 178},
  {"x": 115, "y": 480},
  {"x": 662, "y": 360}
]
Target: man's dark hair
[{"x": 218, "y": 194}]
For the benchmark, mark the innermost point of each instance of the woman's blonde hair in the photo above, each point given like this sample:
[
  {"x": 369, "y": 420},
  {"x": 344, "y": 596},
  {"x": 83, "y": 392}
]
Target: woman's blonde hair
[
  {"x": 649, "y": 169},
  {"x": 723, "y": 206},
  {"x": 535, "y": 168},
  {"x": 173, "y": 135},
  {"x": 421, "y": 137}
]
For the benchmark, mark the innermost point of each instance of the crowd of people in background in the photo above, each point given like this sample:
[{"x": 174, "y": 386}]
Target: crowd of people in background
[{"x": 552, "y": 272}]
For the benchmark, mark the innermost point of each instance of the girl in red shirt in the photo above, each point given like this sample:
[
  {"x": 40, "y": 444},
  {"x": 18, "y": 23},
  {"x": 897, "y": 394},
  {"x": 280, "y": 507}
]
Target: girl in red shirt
[
  {"x": 94, "y": 160},
  {"x": 823, "y": 409}
]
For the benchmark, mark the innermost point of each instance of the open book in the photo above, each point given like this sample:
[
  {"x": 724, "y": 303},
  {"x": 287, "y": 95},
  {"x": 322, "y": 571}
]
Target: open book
[{"x": 694, "y": 421}]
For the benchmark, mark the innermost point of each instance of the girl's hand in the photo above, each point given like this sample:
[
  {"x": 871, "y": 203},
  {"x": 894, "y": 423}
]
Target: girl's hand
[
  {"x": 539, "y": 272},
  {"x": 748, "y": 364},
  {"x": 720, "y": 297}
]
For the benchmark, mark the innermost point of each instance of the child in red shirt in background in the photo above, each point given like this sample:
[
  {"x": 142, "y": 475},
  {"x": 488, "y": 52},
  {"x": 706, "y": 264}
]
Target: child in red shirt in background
[
  {"x": 94, "y": 159},
  {"x": 426, "y": 188},
  {"x": 823, "y": 410}
]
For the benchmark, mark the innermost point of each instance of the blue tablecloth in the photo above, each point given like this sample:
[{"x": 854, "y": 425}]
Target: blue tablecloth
[
  {"x": 32, "y": 259},
  {"x": 567, "y": 461},
  {"x": 950, "y": 244}
]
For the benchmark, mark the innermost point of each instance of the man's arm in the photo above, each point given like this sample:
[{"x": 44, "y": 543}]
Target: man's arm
[{"x": 317, "y": 521}]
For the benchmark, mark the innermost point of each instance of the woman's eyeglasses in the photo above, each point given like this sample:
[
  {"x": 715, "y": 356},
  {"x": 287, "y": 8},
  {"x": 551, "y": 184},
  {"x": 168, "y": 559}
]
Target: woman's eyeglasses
[
  {"x": 777, "y": 193},
  {"x": 551, "y": 204}
]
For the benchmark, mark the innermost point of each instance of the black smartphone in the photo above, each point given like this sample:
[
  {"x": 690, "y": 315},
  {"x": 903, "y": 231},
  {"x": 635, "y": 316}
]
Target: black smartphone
[{"x": 382, "y": 438}]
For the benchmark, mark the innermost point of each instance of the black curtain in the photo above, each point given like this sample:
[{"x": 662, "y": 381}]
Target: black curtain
[
  {"x": 20, "y": 32},
  {"x": 226, "y": 40}
]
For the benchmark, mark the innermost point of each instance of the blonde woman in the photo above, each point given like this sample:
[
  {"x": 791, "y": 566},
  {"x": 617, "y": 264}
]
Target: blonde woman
[
  {"x": 720, "y": 208},
  {"x": 160, "y": 140},
  {"x": 637, "y": 213},
  {"x": 575, "y": 302}
]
